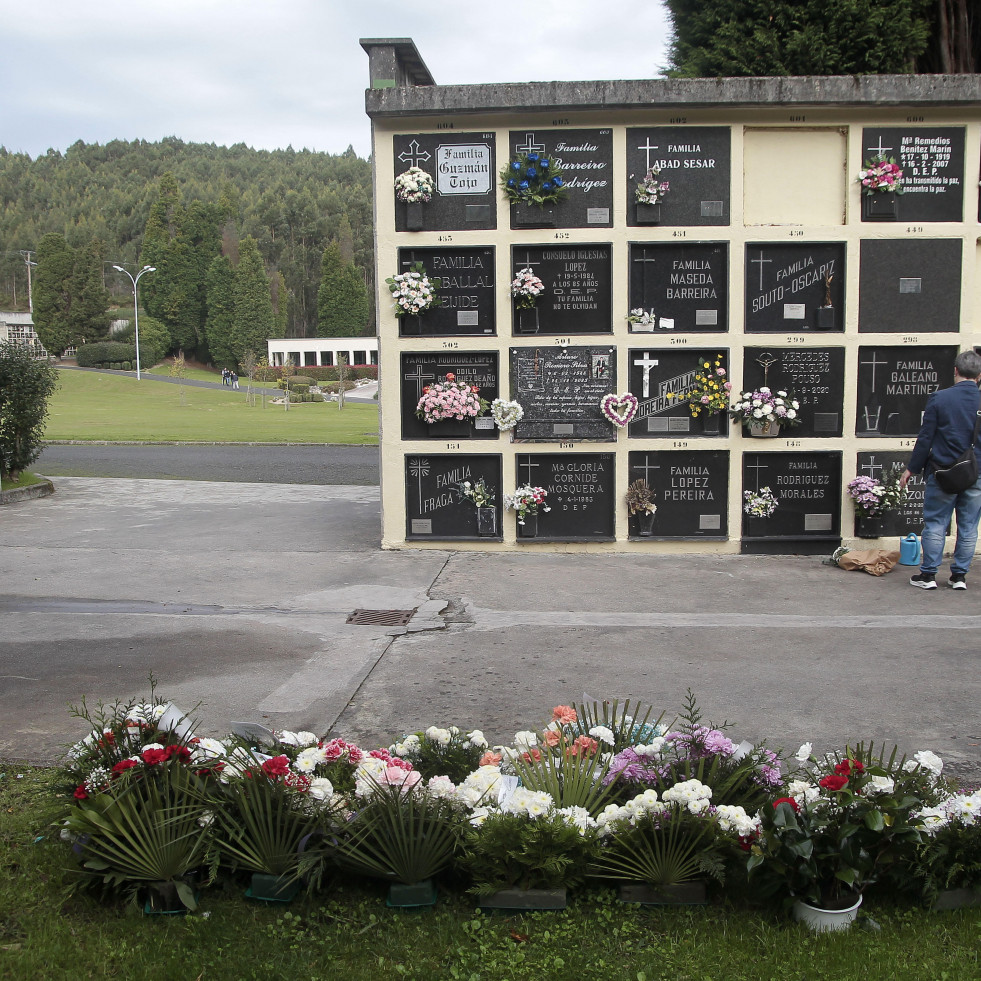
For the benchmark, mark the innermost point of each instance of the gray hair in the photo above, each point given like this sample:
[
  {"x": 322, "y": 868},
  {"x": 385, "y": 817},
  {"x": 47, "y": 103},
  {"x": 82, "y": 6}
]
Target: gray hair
[{"x": 968, "y": 364}]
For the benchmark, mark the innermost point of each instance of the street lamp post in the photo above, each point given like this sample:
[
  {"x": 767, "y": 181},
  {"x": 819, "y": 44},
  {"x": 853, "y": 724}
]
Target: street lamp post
[{"x": 136, "y": 308}]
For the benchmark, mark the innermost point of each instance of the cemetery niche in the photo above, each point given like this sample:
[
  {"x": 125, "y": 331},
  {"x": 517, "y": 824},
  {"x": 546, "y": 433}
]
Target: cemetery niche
[
  {"x": 932, "y": 161},
  {"x": 909, "y": 286},
  {"x": 795, "y": 286},
  {"x": 658, "y": 377},
  {"x": 909, "y": 516},
  {"x": 807, "y": 491},
  {"x": 577, "y": 296},
  {"x": 894, "y": 384},
  {"x": 464, "y": 172},
  {"x": 690, "y": 489},
  {"x": 580, "y": 490},
  {"x": 466, "y": 292},
  {"x": 560, "y": 389},
  {"x": 419, "y": 370},
  {"x": 585, "y": 159},
  {"x": 435, "y": 507},
  {"x": 695, "y": 163},
  {"x": 815, "y": 375},
  {"x": 680, "y": 287}
]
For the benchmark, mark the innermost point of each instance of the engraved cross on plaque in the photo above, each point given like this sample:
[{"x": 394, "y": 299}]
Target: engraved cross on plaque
[
  {"x": 419, "y": 468},
  {"x": 647, "y": 148},
  {"x": 757, "y": 467},
  {"x": 419, "y": 378},
  {"x": 414, "y": 156},
  {"x": 529, "y": 466},
  {"x": 647, "y": 362},
  {"x": 530, "y": 145},
  {"x": 647, "y": 467},
  {"x": 761, "y": 261},
  {"x": 528, "y": 264},
  {"x": 879, "y": 150},
  {"x": 644, "y": 259},
  {"x": 411, "y": 261},
  {"x": 872, "y": 466},
  {"x": 874, "y": 365}
]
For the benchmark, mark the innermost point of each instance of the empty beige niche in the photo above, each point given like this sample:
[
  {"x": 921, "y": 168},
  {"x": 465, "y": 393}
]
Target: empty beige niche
[{"x": 794, "y": 176}]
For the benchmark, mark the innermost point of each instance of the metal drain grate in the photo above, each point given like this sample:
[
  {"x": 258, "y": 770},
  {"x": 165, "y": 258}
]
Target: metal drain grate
[{"x": 382, "y": 618}]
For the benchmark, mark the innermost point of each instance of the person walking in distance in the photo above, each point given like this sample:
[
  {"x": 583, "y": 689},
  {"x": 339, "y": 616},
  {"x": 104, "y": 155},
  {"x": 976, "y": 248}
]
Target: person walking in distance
[{"x": 948, "y": 425}]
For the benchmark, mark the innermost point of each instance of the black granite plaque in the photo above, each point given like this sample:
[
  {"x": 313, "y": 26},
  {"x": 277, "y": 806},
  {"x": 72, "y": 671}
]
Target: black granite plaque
[
  {"x": 657, "y": 377},
  {"x": 816, "y": 375},
  {"x": 578, "y": 297},
  {"x": 694, "y": 160},
  {"x": 807, "y": 487},
  {"x": 466, "y": 291},
  {"x": 894, "y": 384},
  {"x": 585, "y": 157},
  {"x": 786, "y": 286},
  {"x": 932, "y": 159},
  {"x": 434, "y": 507},
  {"x": 681, "y": 287},
  {"x": 691, "y": 491},
  {"x": 581, "y": 494},
  {"x": 907, "y": 518},
  {"x": 560, "y": 390},
  {"x": 464, "y": 167},
  {"x": 909, "y": 286},
  {"x": 419, "y": 370}
]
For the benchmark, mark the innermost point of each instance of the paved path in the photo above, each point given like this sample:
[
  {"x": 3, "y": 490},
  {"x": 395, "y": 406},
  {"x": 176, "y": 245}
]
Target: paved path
[{"x": 236, "y": 596}]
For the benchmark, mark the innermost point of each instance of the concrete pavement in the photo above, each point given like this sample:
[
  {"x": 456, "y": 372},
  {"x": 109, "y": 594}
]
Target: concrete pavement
[{"x": 236, "y": 596}]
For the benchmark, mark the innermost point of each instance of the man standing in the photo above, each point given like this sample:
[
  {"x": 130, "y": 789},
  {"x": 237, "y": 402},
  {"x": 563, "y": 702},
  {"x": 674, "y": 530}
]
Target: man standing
[{"x": 948, "y": 424}]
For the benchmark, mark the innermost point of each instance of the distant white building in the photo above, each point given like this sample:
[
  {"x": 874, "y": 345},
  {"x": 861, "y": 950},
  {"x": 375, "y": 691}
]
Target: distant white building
[
  {"x": 322, "y": 350},
  {"x": 18, "y": 328}
]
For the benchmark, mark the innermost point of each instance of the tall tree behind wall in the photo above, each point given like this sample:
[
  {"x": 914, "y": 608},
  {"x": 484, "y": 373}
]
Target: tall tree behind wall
[
  {"x": 253, "y": 319},
  {"x": 725, "y": 38},
  {"x": 955, "y": 39},
  {"x": 342, "y": 300}
]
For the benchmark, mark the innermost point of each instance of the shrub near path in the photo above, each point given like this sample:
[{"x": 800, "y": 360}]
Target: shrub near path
[{"x": 95, "y": 406}]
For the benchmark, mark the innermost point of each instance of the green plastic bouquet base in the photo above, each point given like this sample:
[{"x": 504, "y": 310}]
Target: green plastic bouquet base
[
  {"x": 411, "y": 894},
  {"x": 541, "y": 899},
  {"x": 677, "y": 894},
  {"x": 957, "y": 899},
  {"x": 152, "y": 909},
  {"x": 271, "y": 889}
]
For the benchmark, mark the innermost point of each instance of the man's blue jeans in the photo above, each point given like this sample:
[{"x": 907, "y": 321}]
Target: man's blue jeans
[{"x": 938, "y": 506}]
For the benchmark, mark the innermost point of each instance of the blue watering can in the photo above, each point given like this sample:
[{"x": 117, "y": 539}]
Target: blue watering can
[{"x": 909, "y": 550}]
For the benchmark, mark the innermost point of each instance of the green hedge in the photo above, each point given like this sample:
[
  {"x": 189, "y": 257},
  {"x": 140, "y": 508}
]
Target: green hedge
[{"x": 114, "y": 354}]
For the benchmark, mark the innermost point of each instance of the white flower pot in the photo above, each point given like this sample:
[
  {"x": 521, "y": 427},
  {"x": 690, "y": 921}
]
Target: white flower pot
[{"x": 826, "y": 920}]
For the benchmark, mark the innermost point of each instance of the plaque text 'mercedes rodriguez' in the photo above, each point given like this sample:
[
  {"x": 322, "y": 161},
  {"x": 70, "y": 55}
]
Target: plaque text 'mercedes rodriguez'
[
  {"x": 577, "y": 280},
  {"x": 585, "y": 158},
  {"x": 787, "y": 283},
  {"x": 694, "y": 161},
  {"x": 560, "y": 391},
  {"x": 932, "y": 160},
  {"x": 464, "y": 167}
]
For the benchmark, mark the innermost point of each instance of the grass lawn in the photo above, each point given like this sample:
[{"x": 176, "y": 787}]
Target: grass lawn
[
  {"x": 95, "y": 406},
  {"x": 26, "y": 479},
  {"x": 348, "y": 933},
  {"x": 194, "y": 374}
]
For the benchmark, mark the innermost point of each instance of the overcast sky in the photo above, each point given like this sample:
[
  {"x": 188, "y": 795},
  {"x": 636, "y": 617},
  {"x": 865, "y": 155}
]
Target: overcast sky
[{"x": 272, "y": 73}]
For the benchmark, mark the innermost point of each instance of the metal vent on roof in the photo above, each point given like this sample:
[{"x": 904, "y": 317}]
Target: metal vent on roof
[{"x": 381, "y": 618}]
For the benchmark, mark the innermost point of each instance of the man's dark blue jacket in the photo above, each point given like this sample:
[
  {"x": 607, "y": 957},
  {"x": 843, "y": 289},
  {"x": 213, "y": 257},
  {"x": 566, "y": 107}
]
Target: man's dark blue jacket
[{"x": 947, "y": 426}]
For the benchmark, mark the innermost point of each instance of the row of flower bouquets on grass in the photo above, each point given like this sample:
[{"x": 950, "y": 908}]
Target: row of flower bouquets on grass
[{"x": 603, "y": 792}]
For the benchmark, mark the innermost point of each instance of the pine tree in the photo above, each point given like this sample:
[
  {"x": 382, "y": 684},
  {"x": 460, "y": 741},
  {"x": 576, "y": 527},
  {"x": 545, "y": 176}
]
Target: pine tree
[
  {"x": 253, "y": 324},
  {"x": 342, "y": 300},
  {"x": 715, "y": 38},
  {"x": 220, "y": 287}
]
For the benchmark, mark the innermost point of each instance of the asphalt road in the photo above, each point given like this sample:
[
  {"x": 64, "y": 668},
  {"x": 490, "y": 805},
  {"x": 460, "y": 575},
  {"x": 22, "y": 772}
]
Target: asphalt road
[{"x": 349, "y": 465}]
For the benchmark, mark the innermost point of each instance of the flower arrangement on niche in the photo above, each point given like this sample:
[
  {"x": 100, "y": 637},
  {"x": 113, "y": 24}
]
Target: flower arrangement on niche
[
  {"x": 532, "y": 179},
  {"x": 619, "y": 409},
  {"x": 881, "y": 175},
  {"x": 450, "y": 399},
  {"x": 872, "y": 497},
  {"x": 527, "y": 500},
  {"x": 759, "y": 504},
  {"x": 414, "y": 186},
  {"x": 764, "y": 406},
  {"x": 478, "y": 493},
  {"x": 414, "y": 291},
  {"x": 506, "y": 414},
  {"x": 711, "y": 388},
  {"x": 651, "y": 190},
  {"x": 526, "y": 288},
  {"x": 640, "y": 497}
]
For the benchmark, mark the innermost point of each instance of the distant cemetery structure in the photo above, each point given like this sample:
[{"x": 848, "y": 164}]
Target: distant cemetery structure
[
  {"x": 763, "y": 256},
  {"x": 309, "y": 351},
  {"x": 18, "y": 328}
]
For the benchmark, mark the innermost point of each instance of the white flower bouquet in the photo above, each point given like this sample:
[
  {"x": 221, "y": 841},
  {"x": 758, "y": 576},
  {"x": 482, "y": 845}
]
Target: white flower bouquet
[{"x": 414, "y": 186}]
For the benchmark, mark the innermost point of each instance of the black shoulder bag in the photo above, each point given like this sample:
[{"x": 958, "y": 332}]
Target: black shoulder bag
[{"x": 963, "y": 472}]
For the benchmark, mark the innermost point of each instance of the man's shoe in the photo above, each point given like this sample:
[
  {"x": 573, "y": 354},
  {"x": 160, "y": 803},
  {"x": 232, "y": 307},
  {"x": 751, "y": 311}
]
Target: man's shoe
[
  {"x": 923, "y": 581},
  {"x": 957, "y": 580}
]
